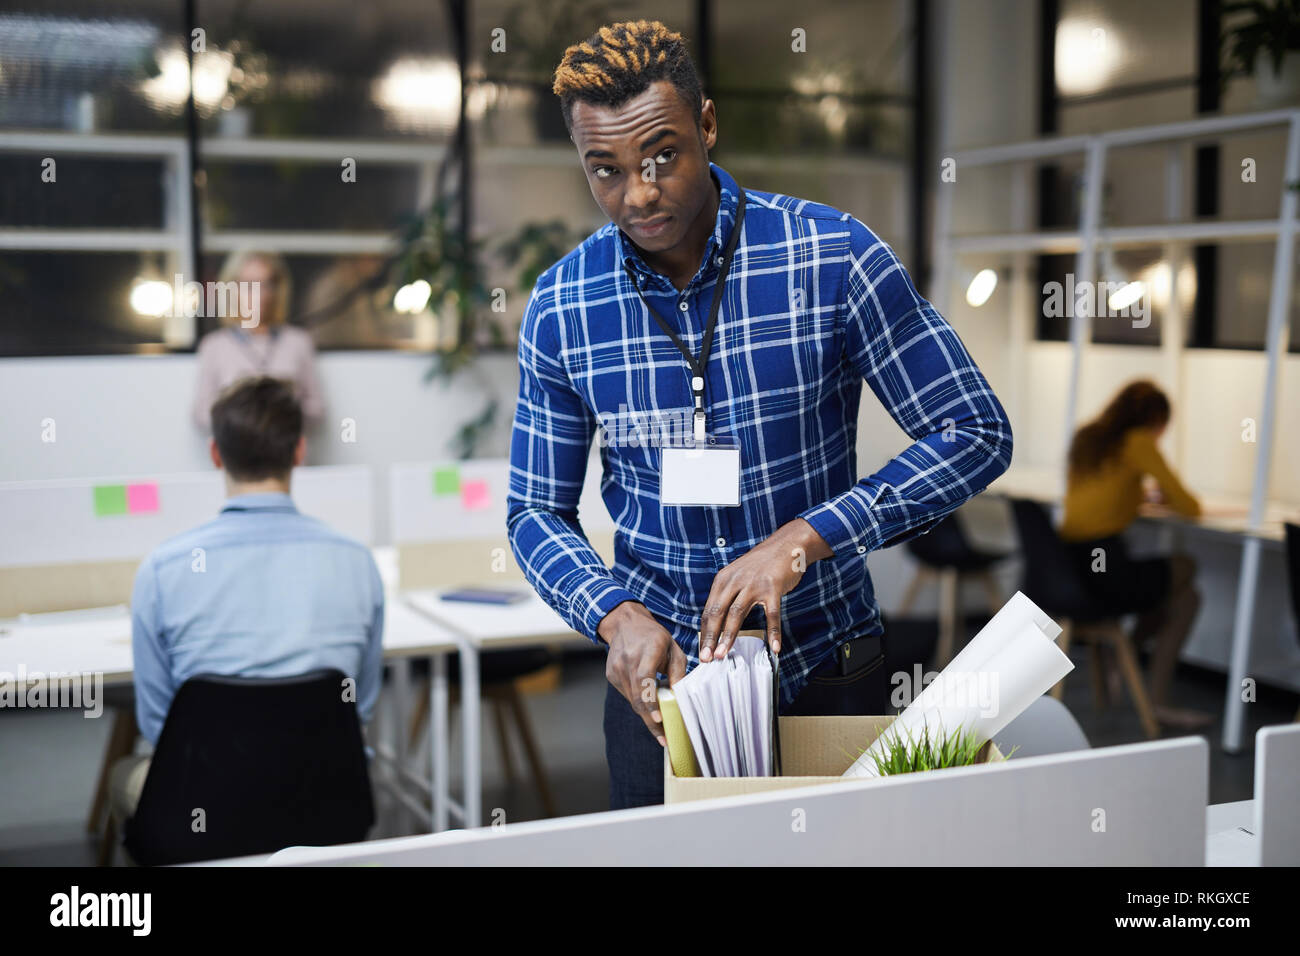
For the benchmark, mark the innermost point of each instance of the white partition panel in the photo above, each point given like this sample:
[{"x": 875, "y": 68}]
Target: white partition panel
[
  {"x": 86, "y": 520},
  {"x": 1134, "y": 805},
  {"x": 340, "y": 495},
  {"x": 453, "y": 500},
  {"x": 1277, "y": 795}
]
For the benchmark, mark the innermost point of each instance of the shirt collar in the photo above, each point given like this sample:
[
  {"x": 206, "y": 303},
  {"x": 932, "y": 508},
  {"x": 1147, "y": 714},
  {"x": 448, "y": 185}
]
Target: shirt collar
[
  {"x": 260, "y": 501},
  {"x": 728, "y": 195}
]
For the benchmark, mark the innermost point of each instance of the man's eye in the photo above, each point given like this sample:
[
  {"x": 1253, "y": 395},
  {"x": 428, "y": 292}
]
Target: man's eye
[
  {"x": 666, "y": 156},
  {"x": 603, "y": 172}
]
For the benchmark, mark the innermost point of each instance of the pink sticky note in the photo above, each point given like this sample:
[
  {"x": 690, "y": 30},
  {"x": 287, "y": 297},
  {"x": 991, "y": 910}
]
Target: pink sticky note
[
  {"x": 474, "y": 495},
  {"x": 142, "y": 498}
]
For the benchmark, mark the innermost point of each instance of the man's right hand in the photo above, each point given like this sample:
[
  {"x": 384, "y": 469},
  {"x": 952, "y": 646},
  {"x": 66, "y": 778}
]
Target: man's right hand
[{"x": 639, "y": 650}]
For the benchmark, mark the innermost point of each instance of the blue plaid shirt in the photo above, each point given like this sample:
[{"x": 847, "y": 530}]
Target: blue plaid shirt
[{"x": 814, "y": 304}]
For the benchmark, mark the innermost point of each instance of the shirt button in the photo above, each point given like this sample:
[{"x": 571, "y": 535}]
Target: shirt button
[
  {"x": 718, "y": 260},
  {"x": 721, "y": 542},
  {"x": 862, "y": 549},
  {"x": 682, "y": 305}
]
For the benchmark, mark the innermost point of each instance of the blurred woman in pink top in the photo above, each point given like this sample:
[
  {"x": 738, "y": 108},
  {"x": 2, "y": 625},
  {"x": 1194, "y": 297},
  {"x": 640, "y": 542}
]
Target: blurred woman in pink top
[{"x": 268, "y": 346}]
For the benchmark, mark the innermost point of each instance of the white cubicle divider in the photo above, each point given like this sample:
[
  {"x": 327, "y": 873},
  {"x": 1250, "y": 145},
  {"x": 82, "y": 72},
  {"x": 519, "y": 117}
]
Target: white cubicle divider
[
  {"x": 451, "y": 500},
  {"x": 447, "y": 500},
  {"x": 1277, "y": 795},
  {"x": 87, "y": 520},
  {"x": 340, "y": 495},
  {"x": 1132, "y": 805}
]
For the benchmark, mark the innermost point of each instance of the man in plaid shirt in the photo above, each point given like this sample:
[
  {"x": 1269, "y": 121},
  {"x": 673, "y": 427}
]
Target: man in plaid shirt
[{"x": 812, "y": 304}]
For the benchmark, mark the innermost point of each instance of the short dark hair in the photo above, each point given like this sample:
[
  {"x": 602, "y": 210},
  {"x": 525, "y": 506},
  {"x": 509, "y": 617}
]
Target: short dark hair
[
  {"x": 620, "y": 61},
  {"x": 256, "y": 423}
]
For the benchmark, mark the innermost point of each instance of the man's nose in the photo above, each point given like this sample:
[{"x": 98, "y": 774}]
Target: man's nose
[{"x": 641, "y": 195}]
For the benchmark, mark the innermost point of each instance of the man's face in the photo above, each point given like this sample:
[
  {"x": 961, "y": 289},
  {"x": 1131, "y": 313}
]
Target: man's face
[{"x": 654, "y": 202}]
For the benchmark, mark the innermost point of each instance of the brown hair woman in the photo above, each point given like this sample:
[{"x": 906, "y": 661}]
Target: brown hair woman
[{"x": 1110, "y": 459}]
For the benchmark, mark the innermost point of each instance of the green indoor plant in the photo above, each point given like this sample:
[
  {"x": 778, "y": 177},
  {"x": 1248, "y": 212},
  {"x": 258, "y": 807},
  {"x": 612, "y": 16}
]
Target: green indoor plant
[
  {"x": 901, "y": 754},
  {"x": 1268, "y": 29},
  {"x": 433, "y": 248}
]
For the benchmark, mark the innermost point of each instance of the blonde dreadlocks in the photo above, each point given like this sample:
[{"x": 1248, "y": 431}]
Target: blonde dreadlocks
[{"x": 620, "y": 61}]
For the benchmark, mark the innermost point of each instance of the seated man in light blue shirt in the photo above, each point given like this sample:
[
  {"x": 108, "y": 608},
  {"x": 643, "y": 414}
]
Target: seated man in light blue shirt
[{"x": 259, "y": 591}]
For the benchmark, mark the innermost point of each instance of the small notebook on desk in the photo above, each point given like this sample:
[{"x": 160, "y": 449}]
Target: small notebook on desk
[
  {"x": 720, "y": 719},
  {"x": 485, "y": 595}
]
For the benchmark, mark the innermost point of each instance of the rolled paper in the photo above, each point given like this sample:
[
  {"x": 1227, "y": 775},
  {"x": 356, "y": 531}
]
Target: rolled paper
[{"x": 1008, "y": 665}]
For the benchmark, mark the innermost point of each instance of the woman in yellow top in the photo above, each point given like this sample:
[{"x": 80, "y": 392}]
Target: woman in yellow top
[{"x": 1110, "y": 458}]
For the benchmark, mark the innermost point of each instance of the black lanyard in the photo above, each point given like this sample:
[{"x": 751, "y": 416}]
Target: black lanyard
[{"x": 700, "y": 363}]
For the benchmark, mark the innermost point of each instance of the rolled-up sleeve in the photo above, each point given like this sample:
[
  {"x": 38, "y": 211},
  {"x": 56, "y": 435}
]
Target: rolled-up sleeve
[
  {"x": 550, "y": 443},
  {"x": 919, "y": 369}
]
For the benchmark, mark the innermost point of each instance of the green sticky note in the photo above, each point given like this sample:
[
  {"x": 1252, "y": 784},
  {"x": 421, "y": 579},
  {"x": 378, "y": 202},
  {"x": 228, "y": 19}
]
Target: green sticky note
[
  {"x": 446, "y": 481},
  {"x": 110, "y": 500}
]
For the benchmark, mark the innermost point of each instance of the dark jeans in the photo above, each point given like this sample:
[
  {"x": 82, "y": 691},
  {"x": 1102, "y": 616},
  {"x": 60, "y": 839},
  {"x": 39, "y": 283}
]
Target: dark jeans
[{"x": 636, "y": 761}]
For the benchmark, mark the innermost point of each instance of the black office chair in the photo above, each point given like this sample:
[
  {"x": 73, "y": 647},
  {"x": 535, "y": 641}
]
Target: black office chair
[
  {"x": 270, "y": 763},
  {"x": 1293, "y": 576},
  {"x": 1053, "y": 583},
  {"x": 944, "y": 553}
]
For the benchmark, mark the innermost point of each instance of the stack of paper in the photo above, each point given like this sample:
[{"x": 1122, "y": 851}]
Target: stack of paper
[
  {"x": 1008, "y": 665},
  {"x": 727, "y": 707}
]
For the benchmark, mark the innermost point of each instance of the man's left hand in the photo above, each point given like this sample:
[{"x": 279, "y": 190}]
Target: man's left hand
[{"x": 760, "y": 577}]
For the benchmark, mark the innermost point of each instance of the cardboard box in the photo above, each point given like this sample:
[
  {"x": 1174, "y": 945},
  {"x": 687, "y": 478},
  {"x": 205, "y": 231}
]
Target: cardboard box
[{"x": 814, "y": 750}]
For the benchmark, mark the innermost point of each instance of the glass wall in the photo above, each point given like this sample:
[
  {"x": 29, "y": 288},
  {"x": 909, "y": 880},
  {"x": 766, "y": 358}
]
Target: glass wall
[{"x": 327, "y": 132}]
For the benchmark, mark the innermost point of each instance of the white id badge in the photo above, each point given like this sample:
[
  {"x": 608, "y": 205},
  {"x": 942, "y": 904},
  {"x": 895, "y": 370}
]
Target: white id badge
[{"x": 707, "y": 474}]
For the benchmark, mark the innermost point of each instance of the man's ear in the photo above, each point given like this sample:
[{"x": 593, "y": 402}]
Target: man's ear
[
  {"x": 709, "y": 124},
  {"x": 214, "y": 453},
  {"x": 300, "y": 451}
]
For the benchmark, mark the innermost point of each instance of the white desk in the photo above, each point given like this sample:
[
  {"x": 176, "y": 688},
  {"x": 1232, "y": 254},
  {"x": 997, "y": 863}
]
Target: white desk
[
  {"x": 486, "y": 627},
  {"x": 98, "y": 641},
  {"x": 93, "y": 641},
  {"x": 1044, "y": 485},
  {"x": 1230, "y": 838}
]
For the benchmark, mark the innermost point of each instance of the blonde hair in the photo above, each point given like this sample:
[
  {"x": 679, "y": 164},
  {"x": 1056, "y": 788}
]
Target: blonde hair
[{"x": 234, "y": 266}]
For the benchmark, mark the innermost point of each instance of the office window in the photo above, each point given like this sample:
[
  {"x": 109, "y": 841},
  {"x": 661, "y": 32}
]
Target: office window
[
  {"x": 1121, "y": 65},
  {"x": 1125, "y": 64},
  {"x": 285, "y": 92},
  {"x": 44, "y": 313}
]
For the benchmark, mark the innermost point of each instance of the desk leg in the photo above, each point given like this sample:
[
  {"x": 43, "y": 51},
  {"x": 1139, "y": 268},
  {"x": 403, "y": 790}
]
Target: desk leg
[
  {"x": 471, "y": 714},
  {"x": 400, "y": 669},
  {"x": 438, "y": 741},
  {"x": 1234, "y": 716}
]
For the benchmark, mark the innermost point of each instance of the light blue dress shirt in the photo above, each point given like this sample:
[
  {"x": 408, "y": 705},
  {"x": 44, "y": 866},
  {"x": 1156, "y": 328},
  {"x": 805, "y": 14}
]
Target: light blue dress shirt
[{"x": 260, "y": 591}]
